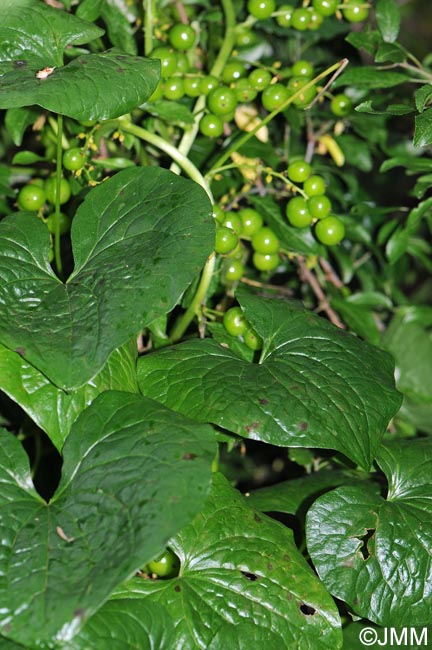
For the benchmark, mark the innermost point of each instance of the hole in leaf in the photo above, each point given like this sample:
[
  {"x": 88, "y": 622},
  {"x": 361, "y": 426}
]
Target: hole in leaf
[
  {"x": 307, "y": 610},
  {"x": 364, "y": 549},
  {"x": 249, "y": 576}
]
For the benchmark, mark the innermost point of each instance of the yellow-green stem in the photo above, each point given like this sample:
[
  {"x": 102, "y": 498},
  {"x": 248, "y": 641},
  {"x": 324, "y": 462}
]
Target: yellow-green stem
[
  {"x": 57, "y": 248},
  {"x": 148, "y": 6}
]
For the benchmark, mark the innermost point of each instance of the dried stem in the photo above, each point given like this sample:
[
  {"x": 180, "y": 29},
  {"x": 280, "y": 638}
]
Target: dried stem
[{"x": 307, "y": 276}]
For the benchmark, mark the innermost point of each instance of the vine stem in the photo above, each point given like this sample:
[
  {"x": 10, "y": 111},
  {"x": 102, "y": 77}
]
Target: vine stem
[
  {"x": 224, "y": 53},
  {"x": 173, "y": 152},
  {"x": 335, "y": 68},
  {"x": 57, "y": 249},
  {"x": 148, "y": 6}
]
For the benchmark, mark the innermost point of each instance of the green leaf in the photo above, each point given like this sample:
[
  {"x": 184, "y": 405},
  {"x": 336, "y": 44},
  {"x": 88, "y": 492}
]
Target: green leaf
[
  {"x": 423, "y": 129},
  {"x": 26, "y": 158},
  {"x": 238, "y": 566},
  {"x": 370, "y": 77},
  {"x": 126, "y": 466},
  {"x": 90, "y": 87},
  {"x": 374, "y": 553},
  {"x": 390, "y": 53},
  {"x": 368, "y": 41},
  {"x": 314, "y": 386},
  {"x": 120, "y": 19},
  {"x": 30, "y": 30},
  {"x": 359, "y": 318},
  {"x": 388, "y": 19},
  {"x": 89, "y": 9},
  {"x": 126, "y": 625},
  {"x": 422, "y": 96},
  {"x": 297, "y": 240},
  {"x": 392, "y": 109},
  {"x": 53, "y": 409},
  {"x": 17, "y": 120},
  {"x": 139, "y": 239}
]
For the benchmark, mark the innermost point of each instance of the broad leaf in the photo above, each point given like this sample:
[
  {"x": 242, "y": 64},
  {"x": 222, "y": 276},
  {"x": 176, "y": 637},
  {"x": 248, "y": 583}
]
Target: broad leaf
[
  {"x": 239, "y": 566},
  {"x": 374, "y": 553},
  {"x": 126, "y": 625},
  {"x": 90, "y": 87},
  {"x": 55, "y": 410},
  {"x": 128, "y": 463},
  {"x": 139, "y": 239},
  {"x": 30, "y": 30},
  {"x": 314, "y": 386}
]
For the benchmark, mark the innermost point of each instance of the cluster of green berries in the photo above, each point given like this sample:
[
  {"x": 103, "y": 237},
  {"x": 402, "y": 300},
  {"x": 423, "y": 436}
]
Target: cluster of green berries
[
  {"x": 236, "y": 324},
  {"x": 245, "y": 224},
  {"x": 39, "y": 194},
  {"x": 313, "y": 205},
  {"x": 308, "y": 18}
]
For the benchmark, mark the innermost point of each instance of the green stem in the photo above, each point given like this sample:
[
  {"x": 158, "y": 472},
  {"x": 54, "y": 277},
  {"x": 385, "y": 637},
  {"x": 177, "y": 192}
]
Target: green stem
[
  {"x": 148, "y": 6},
  {"x": 187, "y": 317},
  {"x": 247, "y": 136},
  {"x": 182, "y": 161},
  {"x": 224, "y": 53},
  {"x": 57, "y": 250}
]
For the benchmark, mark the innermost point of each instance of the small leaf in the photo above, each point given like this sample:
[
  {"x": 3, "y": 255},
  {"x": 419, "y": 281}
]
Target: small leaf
[
  {"x": 374, "y": 553},
  {"x": 422, "y": 96},
  {"x": 53, "y": 409},
  {"x": 390, "y": 53},
  {"x": 391, "y": 109},
  {"x": 314, "y": 386},
  {"x": 370, "y": 77},
  {"x": 423, "y": 129},
  {"x": 368, "y": 41},
  {"x": 26, "y": 158},
  {"x": 90, "y": 87},
  {"x": 125, "y": 468},
  {"x": 125, "y": 236},
  {"x": 388, "y": 19},
  {"x": 171, "y": 112},
  {"x": 356, "y": 151},
  {"x": 17, "y": 120},
  {"x": 237, "y": 565}
]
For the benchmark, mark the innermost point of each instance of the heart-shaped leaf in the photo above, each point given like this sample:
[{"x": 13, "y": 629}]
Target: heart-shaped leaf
[
  {"x": 55, "y": 410},
  {"x": 139, "y": 239},
  {"x": 90, "y": 87},
  {"x": 31, "y": 30},
  {"x": 239, "y": 566},
  {"x": 374, "y": 553},
  {"x": 128, "y": 485},
  {"x": 314, "y": 386}
]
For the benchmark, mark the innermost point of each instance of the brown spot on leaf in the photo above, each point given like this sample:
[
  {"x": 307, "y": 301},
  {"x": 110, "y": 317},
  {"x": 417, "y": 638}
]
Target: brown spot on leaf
[
  {"x": 263, "y": 401},
  {"x": 177, "y": 588},
  {"x": 119, "y": 69},
  {"x": 270, "y": 566},
  {"x": 20, "y": 351},
  {"x": 302, "y": 426},
  {"x": 251, "y": 427},
  {"x": 257, "y": 518},
  {"x": 189, "y": 456},
  {"x": 307, "y": 610}
]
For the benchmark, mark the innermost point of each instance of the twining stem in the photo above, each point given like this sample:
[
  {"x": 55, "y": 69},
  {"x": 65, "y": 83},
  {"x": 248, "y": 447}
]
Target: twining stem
[
  {"x": 337, "y": 67},
  {"x": 224, "y": 53},
  {"x": 182, "y": 161},
  {"x": 57, "y": 249},
  {"x": 148, "y": 6}
]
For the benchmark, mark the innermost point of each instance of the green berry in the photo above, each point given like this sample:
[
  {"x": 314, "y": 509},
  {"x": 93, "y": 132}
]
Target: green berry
[
  {"x": 355, "y": 11},
  {"x": 274, "y": 96},
  {"x": 165, "y": 566},
  {"x": 299, "y": 171},
  {"x": 173, "y": 88},
  {"x": 341, "y": 105},
  {"x": 232, "y": 270},
  {"x": 73, "y": 159},
  {"x": 265, "y": 261},
  {"x": 300, "y": 19},
  {"x": 330, "y": 231},
  {"x": 252, "y": 339},
  {"x": 168, "y": 60},
  {"x": 244, "y": 92},
  {"x": 192, "y": 86},
  {"x": 314, "y": 186},
  {"x": 297, "y": 212},
  {"x": 261, "y": 9},
  {"x": 303, "y": 68},
  {"x": 31, "y": 198},
  {"x": 251, "y": 221},
  {"x": 208, "y": 83},
  {"x": 233, "y": 220},
  {"x": 284, "y": 14},
  {"x": 182, "y": 37},
  {"x": 325, "y": 7},
  {"x": 233, "y": 70},
  {"x": 319, "y": 206},
  {"x": 211, "y": 125},
  {"x": 226, "y": 240},
  {"x": 234, "y": 321},
  {"x": 221, "y": 101},
  {"x": 265, "y": 241},
  {"x": 64, "y": 223},
  {"x": 51, "y": 190},
  {"x": 259, "y": 79}
]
